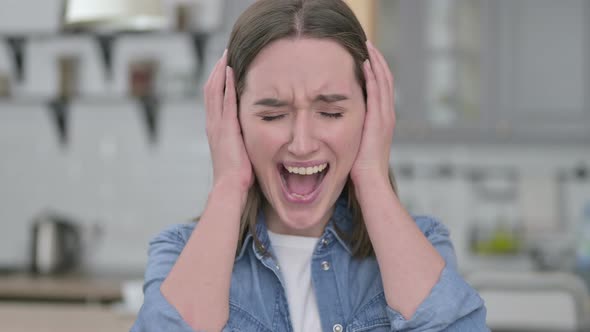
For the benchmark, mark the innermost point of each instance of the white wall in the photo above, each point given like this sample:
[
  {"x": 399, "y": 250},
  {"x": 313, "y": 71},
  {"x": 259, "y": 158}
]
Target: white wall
[
  {"x": 108, "y": 174},
  {"x": 29, "y": 16}
]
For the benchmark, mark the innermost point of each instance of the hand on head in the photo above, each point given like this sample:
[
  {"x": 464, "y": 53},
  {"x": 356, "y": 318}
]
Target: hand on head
[
  {"x": 230, "y": 160},
  {"x": 373, "y": 156}
]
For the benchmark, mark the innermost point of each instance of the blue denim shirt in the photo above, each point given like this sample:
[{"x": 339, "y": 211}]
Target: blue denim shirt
[{"x": 349, "y": 291}]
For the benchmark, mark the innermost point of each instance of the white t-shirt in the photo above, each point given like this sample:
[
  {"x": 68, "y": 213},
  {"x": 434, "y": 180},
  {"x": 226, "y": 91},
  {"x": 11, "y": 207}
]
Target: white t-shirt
[{"x": 294, "y": 258}]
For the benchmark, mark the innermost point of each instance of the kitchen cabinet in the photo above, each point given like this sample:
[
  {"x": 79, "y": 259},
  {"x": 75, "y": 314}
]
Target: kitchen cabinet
[
  {"x": 489, "y": 71},
  {"x": 541, "y": 51},
  {"x": 434, "y": 50}
]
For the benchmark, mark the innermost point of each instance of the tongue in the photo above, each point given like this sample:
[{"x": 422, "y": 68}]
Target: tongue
[{"x": 301, "y": 184}]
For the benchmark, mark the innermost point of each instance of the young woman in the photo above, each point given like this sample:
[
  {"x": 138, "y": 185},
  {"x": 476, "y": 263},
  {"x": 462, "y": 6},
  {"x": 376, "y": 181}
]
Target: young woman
[{"x": 303, "y": 229}]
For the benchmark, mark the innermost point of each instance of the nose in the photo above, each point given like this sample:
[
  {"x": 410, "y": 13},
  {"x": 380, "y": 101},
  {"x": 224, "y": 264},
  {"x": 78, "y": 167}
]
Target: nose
[{"x": 303, "y": 141}]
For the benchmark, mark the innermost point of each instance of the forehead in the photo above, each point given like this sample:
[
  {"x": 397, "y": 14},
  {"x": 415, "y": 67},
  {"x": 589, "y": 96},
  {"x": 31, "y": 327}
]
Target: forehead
[{"x": 306, "y": 65}]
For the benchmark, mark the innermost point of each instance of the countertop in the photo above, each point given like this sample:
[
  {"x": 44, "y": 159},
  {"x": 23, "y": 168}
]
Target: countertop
[
  {"x": 68, "y": 288},
  {"x": 67, "y": 303},
  {"x": 23, "y": 317}
]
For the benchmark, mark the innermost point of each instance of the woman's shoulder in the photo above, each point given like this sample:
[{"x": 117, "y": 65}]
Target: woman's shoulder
[
  {"x": 178, "y": 233},
  {"x": 430, "y": 225}
]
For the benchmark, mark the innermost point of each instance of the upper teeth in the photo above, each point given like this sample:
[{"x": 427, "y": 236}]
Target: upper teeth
[{"x": 307, "y": 170}]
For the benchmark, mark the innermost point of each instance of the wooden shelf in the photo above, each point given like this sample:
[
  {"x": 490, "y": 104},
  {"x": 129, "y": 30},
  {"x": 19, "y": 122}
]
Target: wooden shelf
[
  {"x": 70, "y": 289},
  {"x": 19, "y": 317}
]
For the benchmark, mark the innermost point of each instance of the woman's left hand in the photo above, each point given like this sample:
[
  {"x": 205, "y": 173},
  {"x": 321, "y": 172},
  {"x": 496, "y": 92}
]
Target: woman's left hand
[{"x": 372, "y": 161}]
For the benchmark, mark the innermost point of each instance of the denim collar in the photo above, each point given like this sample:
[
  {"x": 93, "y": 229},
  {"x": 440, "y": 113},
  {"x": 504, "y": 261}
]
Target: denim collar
[{"x": 339, "y": 226}]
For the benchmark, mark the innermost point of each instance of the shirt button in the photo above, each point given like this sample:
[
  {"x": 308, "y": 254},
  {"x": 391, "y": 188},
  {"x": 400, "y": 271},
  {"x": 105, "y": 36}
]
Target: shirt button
[
  {"x": 324, "y": 242},
  {"x": 337, "y": 328},
  {"x": 326, "y": 267}
]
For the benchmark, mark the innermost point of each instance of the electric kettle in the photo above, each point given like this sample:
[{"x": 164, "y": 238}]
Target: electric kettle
[{"x": 55, "y": 244}]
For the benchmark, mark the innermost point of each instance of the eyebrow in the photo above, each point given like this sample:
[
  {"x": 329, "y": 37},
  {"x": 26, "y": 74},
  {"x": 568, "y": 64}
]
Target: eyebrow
[
  {"x": 331, "y": 98},
  {"x": 272, "y": 102}
]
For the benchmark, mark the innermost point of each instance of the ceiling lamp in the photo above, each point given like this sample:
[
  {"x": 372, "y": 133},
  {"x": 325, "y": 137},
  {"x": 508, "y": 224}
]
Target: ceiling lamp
[{"x": 114, "y": 15}]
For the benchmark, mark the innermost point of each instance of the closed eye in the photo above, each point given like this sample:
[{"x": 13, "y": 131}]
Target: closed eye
[
  {"x": 331, "y": 115},
  {"x": 269, "y": 118}
]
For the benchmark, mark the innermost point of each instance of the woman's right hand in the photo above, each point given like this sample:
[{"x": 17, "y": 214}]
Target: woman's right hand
[{"x": 230, "y": 160}]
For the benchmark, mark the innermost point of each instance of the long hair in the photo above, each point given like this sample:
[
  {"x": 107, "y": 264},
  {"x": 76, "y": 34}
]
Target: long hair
[{"x": 269, "y": 20}]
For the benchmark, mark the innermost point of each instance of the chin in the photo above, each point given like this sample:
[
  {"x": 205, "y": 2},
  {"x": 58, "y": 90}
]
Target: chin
[{"x": 302, "y": 220}]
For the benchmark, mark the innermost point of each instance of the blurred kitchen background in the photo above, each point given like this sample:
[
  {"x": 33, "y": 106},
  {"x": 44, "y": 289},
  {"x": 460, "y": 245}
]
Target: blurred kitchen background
[{"x": 102, "y": 145}]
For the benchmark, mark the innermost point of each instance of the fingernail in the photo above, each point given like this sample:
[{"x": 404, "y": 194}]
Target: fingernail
[
  {"x": 368, "y": 63},
  {"x": 224, "y": 53},
  {"x": 369, "y": 44}
]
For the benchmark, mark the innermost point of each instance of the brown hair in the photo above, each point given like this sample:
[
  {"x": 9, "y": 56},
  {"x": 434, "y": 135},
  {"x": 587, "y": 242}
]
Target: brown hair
[{"x": 269, "y": 20}]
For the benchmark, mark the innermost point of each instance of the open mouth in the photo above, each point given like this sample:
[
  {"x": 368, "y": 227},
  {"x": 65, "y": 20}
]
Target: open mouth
[{"x": 302, "y": 184}]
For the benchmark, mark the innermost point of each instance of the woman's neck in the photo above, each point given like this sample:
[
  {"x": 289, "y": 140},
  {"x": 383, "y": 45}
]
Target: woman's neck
[{"x": 276, "y": 225}]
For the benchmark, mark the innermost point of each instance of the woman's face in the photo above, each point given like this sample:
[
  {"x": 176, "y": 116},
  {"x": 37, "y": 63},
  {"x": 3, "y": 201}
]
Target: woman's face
[{"x": 302, "y": 114}]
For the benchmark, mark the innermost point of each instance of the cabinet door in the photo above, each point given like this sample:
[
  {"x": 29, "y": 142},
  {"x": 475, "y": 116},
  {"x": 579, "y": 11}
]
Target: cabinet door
[
  {"x": 541, "y": 52},
  {"x": 489, "y": 71},
  {"x": 434, "y": 48}
]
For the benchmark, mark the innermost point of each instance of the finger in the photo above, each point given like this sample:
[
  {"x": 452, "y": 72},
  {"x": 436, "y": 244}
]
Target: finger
[
  {"x": 390, "y": 82},
  {"x": 218, "y": 84},
  {"x": 230, "y": 107},
  {"x": 382, "y": 84},
  {"x": 377, "y": 69},
  {"x": 387, "y": 70},
  {"x": 373, "y": 93},
  {"x": 210, "y": 78},
  {"x": 210, "y": 81},
  {"x": 214, "y": 90},
  {"x": 390, "y": 107}
]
